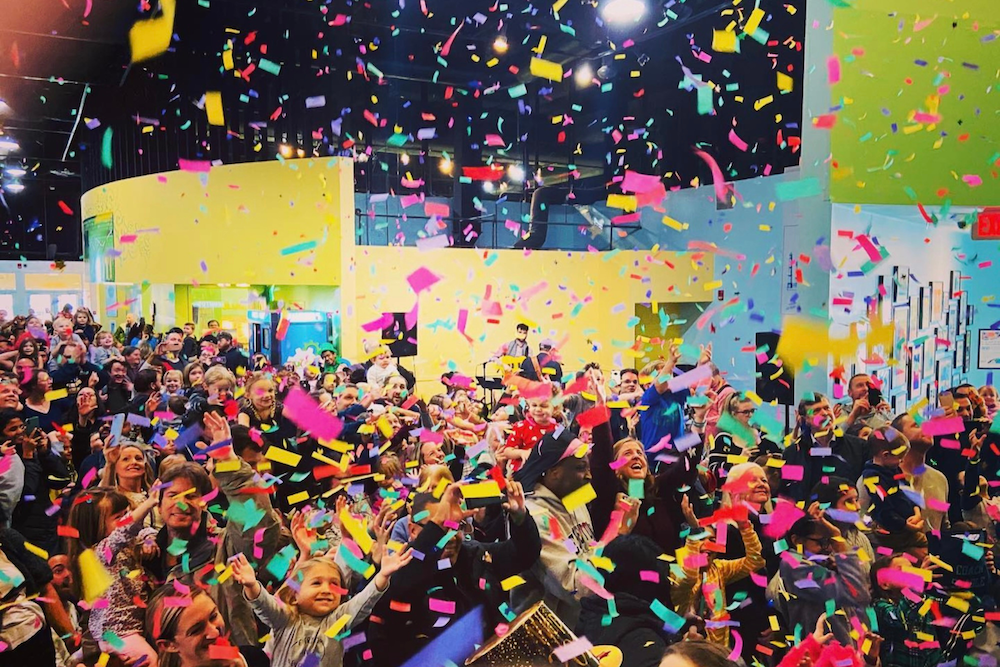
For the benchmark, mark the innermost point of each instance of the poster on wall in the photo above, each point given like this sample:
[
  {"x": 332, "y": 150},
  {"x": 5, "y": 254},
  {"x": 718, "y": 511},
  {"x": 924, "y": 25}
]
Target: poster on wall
[
  {"x": 925, "y": 306},
  {"x": 937, "y": 302},
  {"x": 989, "y": 349},
  {"x": 956, "y": 284},
  {"x": 916, "y": 372},
  {"x": 952, "y": 320},
  {"x": 901, "y": 332},
  {"x": 900, "y": 284}
]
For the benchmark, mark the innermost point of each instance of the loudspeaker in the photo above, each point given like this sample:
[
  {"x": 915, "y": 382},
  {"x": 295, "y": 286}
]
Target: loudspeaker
[{"x": 782, "y": 387}]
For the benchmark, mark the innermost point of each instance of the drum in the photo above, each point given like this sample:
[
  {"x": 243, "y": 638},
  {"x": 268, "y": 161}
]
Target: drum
[{"x": 530, "y": 642}]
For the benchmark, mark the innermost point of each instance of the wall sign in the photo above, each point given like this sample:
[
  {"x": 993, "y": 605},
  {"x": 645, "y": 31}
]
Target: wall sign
[{"x": 989, "y": 348}]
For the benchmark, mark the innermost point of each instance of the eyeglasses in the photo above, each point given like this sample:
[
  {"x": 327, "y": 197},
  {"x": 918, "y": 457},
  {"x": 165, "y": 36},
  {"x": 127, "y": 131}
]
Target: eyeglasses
[{"x": 751, "y": 412}]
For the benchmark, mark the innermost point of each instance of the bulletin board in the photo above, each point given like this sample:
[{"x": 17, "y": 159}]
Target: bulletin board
[{"x": 989, "y": 349}]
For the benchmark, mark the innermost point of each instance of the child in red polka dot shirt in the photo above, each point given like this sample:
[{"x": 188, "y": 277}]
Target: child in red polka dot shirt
[{"x": 542, "y": 417}]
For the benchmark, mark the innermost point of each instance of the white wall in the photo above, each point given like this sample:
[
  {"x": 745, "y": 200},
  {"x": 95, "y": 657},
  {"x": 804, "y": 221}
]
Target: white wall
[{"x": 19, "y": 281}]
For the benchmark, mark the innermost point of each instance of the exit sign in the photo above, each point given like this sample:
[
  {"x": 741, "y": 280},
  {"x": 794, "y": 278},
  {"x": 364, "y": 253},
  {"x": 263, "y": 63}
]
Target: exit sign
[{"x": 987, "y": 225}]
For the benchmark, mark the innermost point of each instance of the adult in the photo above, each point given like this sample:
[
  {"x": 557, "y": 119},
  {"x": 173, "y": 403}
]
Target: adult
[
  {"x": 818, "y": 452},
  {"x": 926, "y": 480},
  {"x": 235, "y": 359},
  {"x": 638, "y": 580},
  {"x": 169, "y": 352},
  {"x": 664, "y": 408},
  {"x": 543, "y": 365},
  {"x": 630, "y": 393},
  {"x": 184, "y": 635},
  {"x": 189, "y": 348},
  {"x": 735, "y": 436},
  {"x": 409, "y": 615},
  {"x": 133, "y": 357},
  {"x": 860, "y": 410},
  {"x": 37, "y": 404},
  {"x": 44, "y": 471},
  {"x": 518, "y": 347},
  {"x": 697, "y": 653},
  {"x": 553, "y": 471},
  {"x": 118, "y": 392},
  {"x": 621, "y": 470},
  {"x": 328, "y": 355},
  {"x": 85, "y": 417},
  {"x": 71, "y": 370},
  {"x": 182, "y": 510},
  {"x": 128, "y": 471},
  {"x": 31, "y": 605},
  {"x": 719, "y": 391}
]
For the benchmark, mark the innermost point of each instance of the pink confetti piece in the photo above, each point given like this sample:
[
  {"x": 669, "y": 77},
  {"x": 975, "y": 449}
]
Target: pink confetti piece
[
  {"x": 833, "y": 69},
  {"x": 197, "y": 166},
  {"x": 718, "y": 180},
  {"x": 306, "y": 413},
  {"x": 943, "y": 426},
  {"x": 422, "y": 279},
  {"x": 573, "y": 649},
  {"x": 735, "y": 140}
]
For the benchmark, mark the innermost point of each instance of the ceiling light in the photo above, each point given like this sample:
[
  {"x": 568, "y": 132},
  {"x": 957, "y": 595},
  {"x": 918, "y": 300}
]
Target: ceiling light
[
  {"x": 623, "y": 11},
  {"x": 16, "y": 172},
  {"x": 446, "y": 166},
  {"x": 488, "y": 187},
  {"x": 584, "y": 75},
  {"x": 5, "y": 108},
  {"x": 515, "y": 172},
  {"x": 405, "y": 159},
  {"x": 500, "y": 44},
  {"x": 8, "y": 144},
  {"x": 14, "y": 186},
  {"x": 285, "y": 150}
]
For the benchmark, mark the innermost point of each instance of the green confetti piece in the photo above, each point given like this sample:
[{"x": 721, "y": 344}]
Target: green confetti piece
[
  {"x": 671, "y": 619},
  {"x": 517, "y": 91},
  {"x": 269, "y": 66},
  {"x": 177, "y": 547},
  {"x": 106, "y": 158},
  {"x": 245, "y": 513},
  {"x": 637, "y": 488}
]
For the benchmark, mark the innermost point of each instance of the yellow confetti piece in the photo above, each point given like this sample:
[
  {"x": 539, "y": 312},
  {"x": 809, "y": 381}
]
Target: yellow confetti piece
[
  {"x": 93, "y": 576},
  {"x": 171, "y": 434},
  {"x": 228, "y": 572},
  {"x": 603, "y": 562},
  {"x": 511, "y": 582},
  {"x": 546, "y": 69},
  {"x": 556, "y": 6},
  {"x": 357, "y": 530},
  {"x": 279, "y": 455},
  {"x": 152, "y": 37},
  {"x": 723, "y": 41},
  {"x": 297, "y": 498},
  {"x": 103, "y": 660},
  {"x": 228, "y": 465},
  {"x": 338, "y": 626},
  {"x": 488, "y": 489},
  {"x": 714, "y": 285},
  {"x": 958, "y": 603},
  {"x": 579, "y": 498},
  {"x": 213, "y": 107},
  {"x": 756, "y": 16},
  {"x": 774, "y": 463},
  {"x": 384, "y": 427},
  {"x": 785, "y": 82},
  {"x": 674, "y": 224},
  {"x": 227, "y": 60},
  {"x": 38, "y": 551},
  {"x": 625, "y": 202},
  {"x": 773, "y": 620},
  {"x": 763, "y": 102}
]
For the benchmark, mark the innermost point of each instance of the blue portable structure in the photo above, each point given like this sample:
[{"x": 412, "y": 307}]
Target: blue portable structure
[{"x": 306, "y": 328}]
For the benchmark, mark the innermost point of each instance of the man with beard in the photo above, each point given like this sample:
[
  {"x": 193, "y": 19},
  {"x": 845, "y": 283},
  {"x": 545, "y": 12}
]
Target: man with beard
[
  {"x": 118, "y": 393},
  {"x": 62, "y": 582},
  {"x": 924, "y": 479},
  {"x": 464, "y": 573}
]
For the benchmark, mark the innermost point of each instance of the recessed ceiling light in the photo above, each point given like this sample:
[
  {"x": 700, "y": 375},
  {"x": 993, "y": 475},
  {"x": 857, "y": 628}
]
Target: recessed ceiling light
[
  {"x": 623, "y": 11},
  {"x": 8, "y": 144},
  {"x": 16, "y": 172},
  {"x": 14, "y": 187}
]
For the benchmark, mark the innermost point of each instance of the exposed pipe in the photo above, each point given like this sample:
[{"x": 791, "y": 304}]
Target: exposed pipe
[{"x": 79, "y": 115}]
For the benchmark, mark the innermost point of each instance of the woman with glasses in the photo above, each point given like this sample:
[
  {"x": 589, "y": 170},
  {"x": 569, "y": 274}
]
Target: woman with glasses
[{"x": 736, "y": 436}]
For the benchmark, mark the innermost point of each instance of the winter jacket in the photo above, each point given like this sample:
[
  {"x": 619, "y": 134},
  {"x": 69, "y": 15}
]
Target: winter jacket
[
  {"x": 636, "y": 630},
  {"x": 890, "y": 505},
  {"x": 847, "y": 459}
]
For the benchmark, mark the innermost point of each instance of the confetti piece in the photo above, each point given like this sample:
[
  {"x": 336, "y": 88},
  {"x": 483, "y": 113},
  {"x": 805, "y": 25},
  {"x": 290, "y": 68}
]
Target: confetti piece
[
  {"x": 579, "y": 498},
  {"x": 546, "y": 69},
  {"x": 724, "y": 41},
  {"x": 573, "y": 649},
  {"x": 283, "y": 456},
  {"x": 488, "y": 489},
  {"x": 94, "y": 577},
  {"x": 151, "y": 37},
  {"x": 511, "y": 582},
  {"x": 213, "y": 108}
]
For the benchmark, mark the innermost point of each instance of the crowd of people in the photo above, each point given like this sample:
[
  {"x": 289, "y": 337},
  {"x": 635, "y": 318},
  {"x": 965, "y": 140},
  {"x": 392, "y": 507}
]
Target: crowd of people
[{"x": 166, "y": 499}]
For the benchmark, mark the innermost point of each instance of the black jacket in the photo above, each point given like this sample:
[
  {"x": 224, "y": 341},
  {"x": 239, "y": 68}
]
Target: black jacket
[
  {"x": 636, "y": 630},
  {"x": 42, "y": 473},
  {"x": 847, "y": 459},
  {"x": 473, "y": 580}
]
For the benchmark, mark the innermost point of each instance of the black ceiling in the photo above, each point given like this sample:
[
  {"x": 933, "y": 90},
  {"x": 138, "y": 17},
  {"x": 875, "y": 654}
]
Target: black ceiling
[{"x": 380, "y": 65}]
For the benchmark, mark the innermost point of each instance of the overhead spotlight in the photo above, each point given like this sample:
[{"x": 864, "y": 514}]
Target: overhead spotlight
[
  {"x": 446, "y": 166},
  {"x": 284, "y": 150},
  {"x": 301, "y": 152},
  {"x": 4, "y": 108},
  {"x": 404, "y": 159},
  {"x": 623, "y": 11},
  {"x": 488, "y": 187},
  {"x": 583, "y": 75},
  {"x": 8, "y": 144},
  {"x": 14, "y": 187},
  {"x": 500, "y": 44},
  {"x": 15, "y": 172},
  {"x": 515, "y": 172}
]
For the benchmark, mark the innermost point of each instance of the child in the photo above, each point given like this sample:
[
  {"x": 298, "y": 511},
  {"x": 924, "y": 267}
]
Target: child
[
  {"x": 912, "y": 635},
  {"x": 308, "y": 605},
  {"x": 705, "y": 577},
  {"x": 900, "y": 526},
  {"x": 382, "y": 367},
  {"x": 173, "y": 383},
  {"x": 541, "y": 419},
  {"x": 390, "y": 487},
  {"x": 101, "y": 518},
  {"x": 103, "y": 349}
]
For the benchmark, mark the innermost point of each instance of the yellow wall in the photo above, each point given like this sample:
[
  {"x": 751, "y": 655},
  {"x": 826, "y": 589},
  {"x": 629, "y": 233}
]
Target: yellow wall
[
  {"x": 236, "y": 219},
  {"x": 375, "y": 282}
]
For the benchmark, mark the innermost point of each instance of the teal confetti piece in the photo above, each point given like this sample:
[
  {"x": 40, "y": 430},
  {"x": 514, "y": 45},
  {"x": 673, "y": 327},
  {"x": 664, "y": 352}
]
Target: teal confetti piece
[
  {"x": 269, "y": 66},
  {"x": 973, "y": 551},
  {"x": 298, "y": 247},
  {"x": 637, "y": 488},
  {"x": 106, "y": 158},
  {"x": 672, "y": 621},
  {"x": 517, "y": 91}
]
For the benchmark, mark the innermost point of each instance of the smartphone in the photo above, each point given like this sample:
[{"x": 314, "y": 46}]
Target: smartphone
[
  {"x": 947, "y": 400},
  {"x": 30, "y": 424},
  {"x": 874, "y": 396}
]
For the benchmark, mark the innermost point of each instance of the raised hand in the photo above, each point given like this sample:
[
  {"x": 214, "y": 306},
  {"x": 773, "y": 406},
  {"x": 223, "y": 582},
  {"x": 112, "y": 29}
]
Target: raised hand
[
  {"x": 217, "y": 428},
  {"x": 706, "y": 354},
  {"x": 688, "y": 511},
  {"x": 303, "y": 536},
  {"x": 450, "y": 509},
  {"x": 395, "y": 561},
  {"x": 515, "y": 505},
  {"x": 631, "y": 513},
  {"x": 382, "y": 527},
  {"x": 976, "y": 443},
  {"x": 245, "y": 576}
]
